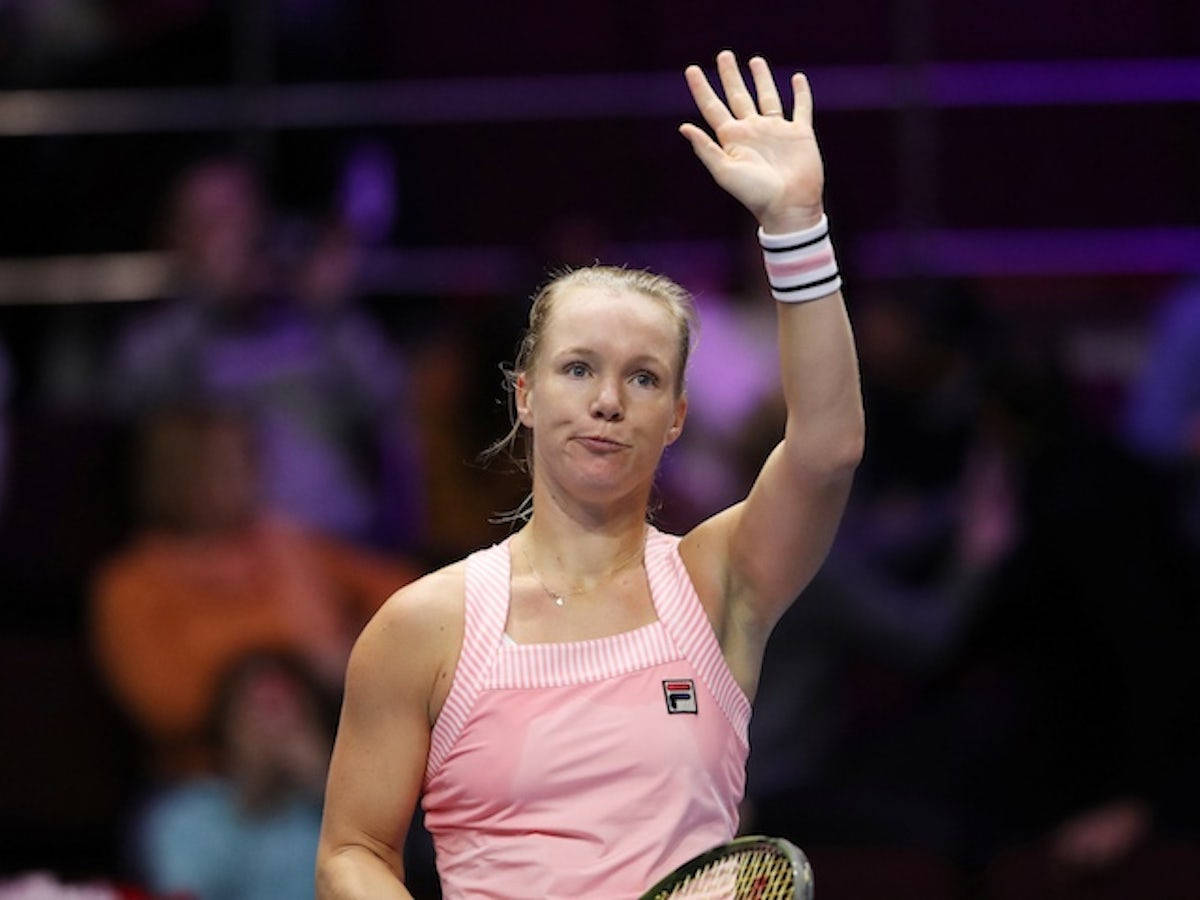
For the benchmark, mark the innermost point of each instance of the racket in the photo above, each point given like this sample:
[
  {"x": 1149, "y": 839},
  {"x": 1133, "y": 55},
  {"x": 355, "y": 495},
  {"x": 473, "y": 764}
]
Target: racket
[{"x": 748, "y": 868}]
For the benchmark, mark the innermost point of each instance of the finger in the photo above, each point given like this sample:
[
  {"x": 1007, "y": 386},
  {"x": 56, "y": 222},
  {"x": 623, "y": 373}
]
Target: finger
[
  {"x": 741, "y": 104},
  {"x": 706, "y": 148},
  {"x": 707, "y": 102},
  {"x": 769, "y": 103},
  {"x": 802, "y": 110}
]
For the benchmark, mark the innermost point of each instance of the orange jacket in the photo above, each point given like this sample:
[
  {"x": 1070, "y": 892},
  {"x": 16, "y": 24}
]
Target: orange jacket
[{"x": 171, "y": 613}]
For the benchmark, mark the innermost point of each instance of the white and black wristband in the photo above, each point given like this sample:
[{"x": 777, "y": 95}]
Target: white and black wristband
[{"x": 801, "y": 265}]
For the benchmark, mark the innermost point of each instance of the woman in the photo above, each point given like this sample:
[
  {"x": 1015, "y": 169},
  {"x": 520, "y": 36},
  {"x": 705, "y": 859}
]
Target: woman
[{"x": 571, "y": 705}]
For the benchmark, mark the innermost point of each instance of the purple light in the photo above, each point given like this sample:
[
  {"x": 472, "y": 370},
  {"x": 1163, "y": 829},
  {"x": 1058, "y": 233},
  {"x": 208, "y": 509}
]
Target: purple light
[
  {"x": 943, "y": 252},
  {"x": 1053, "y": 83},
  {"x": 584, "y": 97}
]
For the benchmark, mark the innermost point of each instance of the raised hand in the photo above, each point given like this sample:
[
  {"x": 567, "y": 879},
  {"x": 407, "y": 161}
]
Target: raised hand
[{"x": 767, "y": 161}]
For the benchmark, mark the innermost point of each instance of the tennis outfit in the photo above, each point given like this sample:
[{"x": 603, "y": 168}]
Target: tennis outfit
[{"x": 587, "y": 769}]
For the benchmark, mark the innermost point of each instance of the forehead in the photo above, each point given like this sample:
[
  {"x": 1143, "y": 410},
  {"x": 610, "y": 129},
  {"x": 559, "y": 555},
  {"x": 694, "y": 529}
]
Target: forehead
[{"x": 612, "y": 317}]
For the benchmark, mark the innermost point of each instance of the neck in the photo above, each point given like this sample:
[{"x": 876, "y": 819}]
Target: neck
[{"x": 578, "y": 547}]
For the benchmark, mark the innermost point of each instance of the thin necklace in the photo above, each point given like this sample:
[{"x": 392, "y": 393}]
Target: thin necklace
[{"x": 561, "y": 599}]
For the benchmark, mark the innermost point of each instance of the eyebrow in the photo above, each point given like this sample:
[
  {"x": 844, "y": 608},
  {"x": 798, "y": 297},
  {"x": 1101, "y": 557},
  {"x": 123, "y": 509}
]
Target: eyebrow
[
  {"x": 641, "y": 359},
  {"x": 576, "y": 351}
]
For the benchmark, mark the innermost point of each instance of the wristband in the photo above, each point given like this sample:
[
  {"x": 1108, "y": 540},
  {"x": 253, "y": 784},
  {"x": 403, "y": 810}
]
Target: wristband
[{"x": 800, "y": 264}]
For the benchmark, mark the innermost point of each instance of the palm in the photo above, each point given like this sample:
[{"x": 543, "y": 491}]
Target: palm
[{"x": 768, "y": 162}]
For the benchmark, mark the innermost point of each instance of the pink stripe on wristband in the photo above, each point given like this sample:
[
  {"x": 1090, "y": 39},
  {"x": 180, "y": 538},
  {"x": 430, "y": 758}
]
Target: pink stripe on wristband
[
  {"x": 801, "y": 265},
  {"x": 784, "y": 270}
]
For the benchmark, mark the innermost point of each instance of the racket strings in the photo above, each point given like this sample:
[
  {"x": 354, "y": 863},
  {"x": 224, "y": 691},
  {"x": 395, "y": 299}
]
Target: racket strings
[{"x": 758, "y": 873}]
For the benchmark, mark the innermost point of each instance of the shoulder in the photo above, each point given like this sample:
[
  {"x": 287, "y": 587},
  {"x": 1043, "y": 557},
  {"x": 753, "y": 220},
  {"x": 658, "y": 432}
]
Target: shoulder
[
  {"x": 411, "y": 644},
  {"x": 429, "y": 600}
]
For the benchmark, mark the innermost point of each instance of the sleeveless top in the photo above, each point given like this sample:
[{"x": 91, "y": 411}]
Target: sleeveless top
[{"x": 587, "y": 768}]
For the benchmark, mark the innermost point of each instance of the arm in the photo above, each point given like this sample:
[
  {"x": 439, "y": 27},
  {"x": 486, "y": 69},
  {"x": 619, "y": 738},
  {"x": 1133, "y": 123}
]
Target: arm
[
  {"x": 398, "y": 674},
  {"x": 750, "y": 561}
]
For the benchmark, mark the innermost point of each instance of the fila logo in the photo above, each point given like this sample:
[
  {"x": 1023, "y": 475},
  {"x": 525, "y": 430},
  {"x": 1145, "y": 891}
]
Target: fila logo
[{"x": 681, "y": 695}]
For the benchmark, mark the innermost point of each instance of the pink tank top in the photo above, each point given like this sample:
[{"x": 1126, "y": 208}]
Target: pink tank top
[{"x": 589, "y": 768}]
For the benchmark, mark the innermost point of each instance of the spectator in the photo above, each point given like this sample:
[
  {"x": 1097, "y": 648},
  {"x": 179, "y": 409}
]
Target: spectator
[
  {"x": 1084, "y": 652},
  {"x": 250, "y": 831},
  {"x": 212, "y": 576},
  {"x": 849, "y": 710},
  {"x": 320, "y": 383}
]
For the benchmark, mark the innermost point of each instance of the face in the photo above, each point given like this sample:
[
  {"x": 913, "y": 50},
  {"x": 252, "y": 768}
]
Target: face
[
  {"x": 600, "y": 398},
  {"x": 217, "y": 232}
]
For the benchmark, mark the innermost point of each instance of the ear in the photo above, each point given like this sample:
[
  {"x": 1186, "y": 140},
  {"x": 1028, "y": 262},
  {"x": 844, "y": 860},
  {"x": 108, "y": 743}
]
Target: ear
[
  {"x": 521, "y": 393},
  {"x": 677, "y": 423}
]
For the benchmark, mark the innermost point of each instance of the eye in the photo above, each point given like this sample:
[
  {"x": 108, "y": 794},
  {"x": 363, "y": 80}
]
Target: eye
[
  {"x": 645, "y": 379},
  {"x": 575, "y": 369}
]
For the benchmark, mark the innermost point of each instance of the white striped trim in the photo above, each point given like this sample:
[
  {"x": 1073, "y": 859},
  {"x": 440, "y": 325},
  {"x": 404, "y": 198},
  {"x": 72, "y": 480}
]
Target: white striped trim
[
  {"x": 681, "y": 612},
  {"x": 484, "y": 612},
  {"x": 578, "y": 662}
]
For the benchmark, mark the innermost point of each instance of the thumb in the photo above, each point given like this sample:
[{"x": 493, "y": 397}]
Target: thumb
[{"x": 706, "y": 148}]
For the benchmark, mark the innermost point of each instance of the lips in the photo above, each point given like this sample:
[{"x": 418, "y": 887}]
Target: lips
[{"x": 598, "y": 444}]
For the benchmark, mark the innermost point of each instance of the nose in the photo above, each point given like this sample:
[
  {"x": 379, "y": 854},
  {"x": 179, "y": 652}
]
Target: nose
[{"x": 607, "y": 404}]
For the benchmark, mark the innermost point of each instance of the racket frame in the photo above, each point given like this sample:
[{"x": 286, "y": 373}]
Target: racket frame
[{"x": 801, "y": 870}]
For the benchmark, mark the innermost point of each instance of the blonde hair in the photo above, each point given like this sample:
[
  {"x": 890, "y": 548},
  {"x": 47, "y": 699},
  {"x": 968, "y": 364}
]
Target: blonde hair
[{"x": 677, "y": 300}]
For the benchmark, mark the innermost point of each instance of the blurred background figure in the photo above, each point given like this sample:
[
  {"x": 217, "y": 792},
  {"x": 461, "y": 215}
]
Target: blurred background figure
[
  {"x": 1102, "y": 797},
  {"x": 1163, "y": 415},
  {"x": 212, "y": 575},
  {"x": 249, "y": 831},
  {"x": 458, "y": 419},
  {"x": 1083, "y": 661},
  {"x": 853, "y": 693},
  {"x": 320, "y": 267},
  {"x": 277, "y": 336}
]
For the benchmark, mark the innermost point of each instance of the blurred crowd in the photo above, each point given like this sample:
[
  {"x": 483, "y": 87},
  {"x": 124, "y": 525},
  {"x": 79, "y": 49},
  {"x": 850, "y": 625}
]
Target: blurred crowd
[
  {"x": 211, "y": 495},
  {"x": 989, "y": 685}
]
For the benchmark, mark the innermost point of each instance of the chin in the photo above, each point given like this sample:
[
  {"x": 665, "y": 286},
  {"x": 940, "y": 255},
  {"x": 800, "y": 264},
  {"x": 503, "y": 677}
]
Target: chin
[
  {"x": 606, "y": 491},
  {"x": 602, "y": 481}
]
